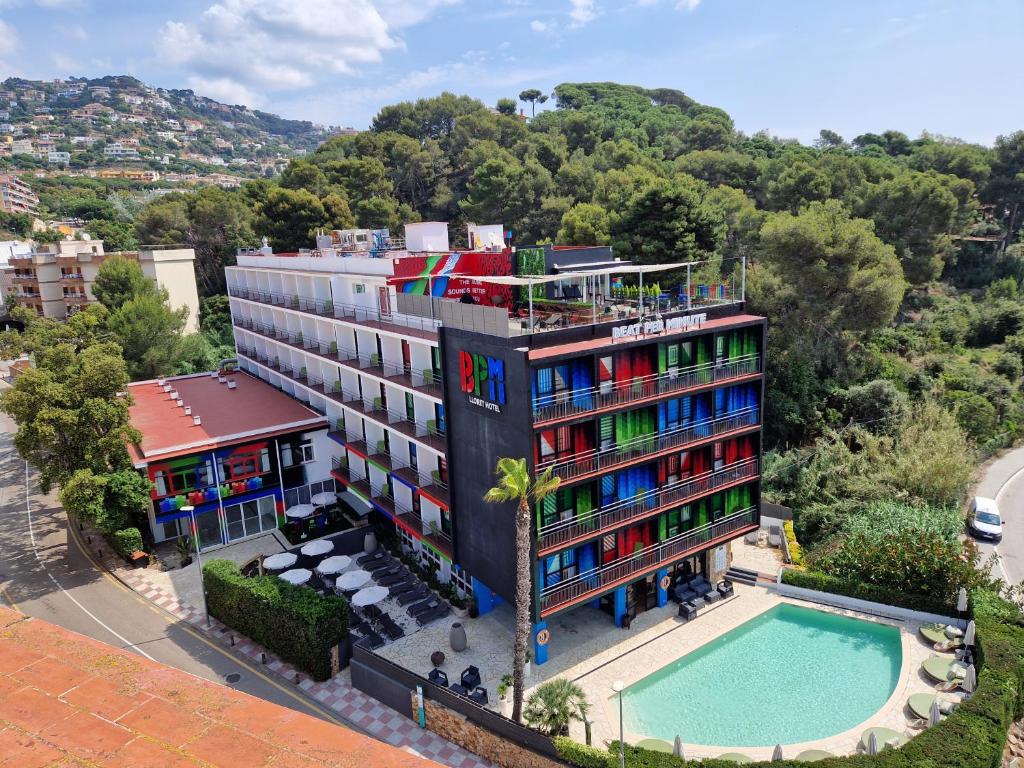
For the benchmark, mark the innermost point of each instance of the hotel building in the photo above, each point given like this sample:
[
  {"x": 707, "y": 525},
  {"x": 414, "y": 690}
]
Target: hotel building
[{"x": 430, "y": 364}]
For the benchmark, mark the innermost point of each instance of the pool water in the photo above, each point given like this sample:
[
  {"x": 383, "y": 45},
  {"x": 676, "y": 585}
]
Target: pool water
[{"x": 792, "y": 674}]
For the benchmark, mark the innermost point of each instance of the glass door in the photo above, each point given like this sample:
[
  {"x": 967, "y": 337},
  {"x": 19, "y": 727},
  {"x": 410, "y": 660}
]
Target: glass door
[
  {"x": 209, "y": 529},
  {"x": 251, "y": 517}
]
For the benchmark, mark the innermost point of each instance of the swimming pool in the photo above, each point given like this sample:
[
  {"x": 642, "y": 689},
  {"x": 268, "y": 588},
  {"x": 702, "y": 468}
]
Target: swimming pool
[{"x": 792, "y": 674}]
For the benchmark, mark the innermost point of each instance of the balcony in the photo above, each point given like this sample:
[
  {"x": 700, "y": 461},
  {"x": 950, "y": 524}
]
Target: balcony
[
  {"x": 72, "y": 278},
  {"x": 563, "y": 533},
  {"x": 592, "y": 583},
  {"x": 430, "y": 485},
  {"x": 77, "y": 299},
  {"x": 601, "y": 460},
  {"x": 427, "y": 381},
  {"x": 368, "y": 317},
  {"x": 24, "y": 279},
  {"x": 412, "y": 522},
  {"x": 342, "y": 472},
  {"x": 575, "y": 402}
]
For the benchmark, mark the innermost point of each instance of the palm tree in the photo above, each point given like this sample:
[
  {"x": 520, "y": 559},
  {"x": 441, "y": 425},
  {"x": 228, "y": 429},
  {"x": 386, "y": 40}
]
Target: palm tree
[
  {"x": 554, "y": 705},
  {"x": 515, "y": 484}
]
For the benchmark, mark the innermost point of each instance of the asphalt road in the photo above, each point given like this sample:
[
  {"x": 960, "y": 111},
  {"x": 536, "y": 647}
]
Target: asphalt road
[
  {"x": 1004, "y": 481},
  {"x": 45, "y": 573}
]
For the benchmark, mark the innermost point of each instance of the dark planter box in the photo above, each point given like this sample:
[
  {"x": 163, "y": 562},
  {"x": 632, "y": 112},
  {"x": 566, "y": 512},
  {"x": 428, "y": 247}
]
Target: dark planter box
[{"x": 138, "y": 559}]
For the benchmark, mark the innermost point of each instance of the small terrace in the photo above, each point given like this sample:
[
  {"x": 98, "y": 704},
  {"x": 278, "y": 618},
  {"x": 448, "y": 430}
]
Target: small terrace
[
  {"x": 585, "y": 463},
  {"x": 592, "y": 583},
  {"x": 563, "y": 533}
]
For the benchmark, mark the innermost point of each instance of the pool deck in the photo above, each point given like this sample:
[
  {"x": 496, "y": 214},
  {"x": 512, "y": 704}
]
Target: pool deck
[{"x": 670, "y": 640}]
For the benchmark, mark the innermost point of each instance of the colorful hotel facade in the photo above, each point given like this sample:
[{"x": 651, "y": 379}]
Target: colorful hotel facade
[{"x": 430, "y": 364}]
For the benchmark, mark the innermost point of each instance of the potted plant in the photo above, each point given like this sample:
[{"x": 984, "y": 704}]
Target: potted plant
[
  {"x": 337, "y": 385},
  {"x": 528, "y": 667},
  {"x": 504, "y": 685},
  {"x": 277, "y": 361},
  {"x": 295, "y": 302},
  {"x": 328, "y": 307},
  {"x": 554, "y": 705},
  {"x": 184, "y": 547},
  {"x": 334, "y": 347}
]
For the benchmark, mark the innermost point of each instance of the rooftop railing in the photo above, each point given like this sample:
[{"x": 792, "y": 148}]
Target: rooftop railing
[
  {"x": 645, "y": 504},
  {"x": 605, "y": 577},
  {"x": 570, "y": 402},
  {"x": 603, "y": 459}
]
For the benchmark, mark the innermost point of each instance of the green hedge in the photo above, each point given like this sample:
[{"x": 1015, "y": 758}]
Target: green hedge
[
  {"x": 297, "y": 623},
  {"x": 972, "y": 737},
  {"x": 126, "y": 541},
  {"x": 822, "y": 582}
]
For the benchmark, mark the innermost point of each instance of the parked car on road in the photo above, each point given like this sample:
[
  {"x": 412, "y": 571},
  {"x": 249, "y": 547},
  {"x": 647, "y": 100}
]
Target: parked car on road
[{"x": 984, "y": 520}]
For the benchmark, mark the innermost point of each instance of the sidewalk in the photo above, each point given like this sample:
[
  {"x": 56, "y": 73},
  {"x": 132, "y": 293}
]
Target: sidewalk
[{"x": 364, "y": 712}]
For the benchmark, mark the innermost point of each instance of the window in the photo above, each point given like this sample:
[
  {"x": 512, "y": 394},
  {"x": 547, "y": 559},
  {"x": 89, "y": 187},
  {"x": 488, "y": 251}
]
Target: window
[
  {"x": 294, "y": 454},
  {"x": 244, "y": 465},
  {"x": 463, "y": 581},
  {"x": 170, "y": 482}
]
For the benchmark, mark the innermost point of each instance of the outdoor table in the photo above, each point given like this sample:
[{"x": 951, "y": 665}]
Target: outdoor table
[
  {"x": 324, "y": 499},
  {"x": 369, "y": 596},
  {"x": 352, "y": 580},
  {"x": 296, "y": 576},
  {"x": 334, "y": 564},
  {"x": 318, "y": 547},
  {"x": 280, "y": 561},
  {"x": 299, "y": 512}
]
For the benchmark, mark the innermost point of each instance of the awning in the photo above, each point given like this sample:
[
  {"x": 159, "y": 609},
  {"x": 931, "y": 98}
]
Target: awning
[{"x": 594, "y": 265}]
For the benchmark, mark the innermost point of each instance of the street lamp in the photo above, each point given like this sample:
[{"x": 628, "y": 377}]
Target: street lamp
[
  {"x": 617, "y": 686},
  {"x": 191, "y": 511}
]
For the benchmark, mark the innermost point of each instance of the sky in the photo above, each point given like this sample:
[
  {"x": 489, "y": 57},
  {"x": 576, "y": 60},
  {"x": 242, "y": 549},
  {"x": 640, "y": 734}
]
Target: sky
[{"x": 791, "y": 67}]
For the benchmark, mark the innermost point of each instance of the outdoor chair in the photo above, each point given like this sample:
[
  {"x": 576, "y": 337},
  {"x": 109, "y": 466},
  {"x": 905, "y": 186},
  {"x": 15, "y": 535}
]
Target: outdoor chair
[
  {"x": 423, "y": 606},
  {"x": 422, "y": 619},
  {"x": 403, "y": 587},
  {"x": 459, "y": 690},
  {"x": 479, "y": 695},
  {"x": 725, "y": 588},
  {"x": 382, "y": 567},
  {"x": 700, "y": 585},
  {"x": 391, "y": 628},
  {"x": 365, "y": 559},
  {"x": 372, "y": 612},
  {"x": 687, "y": 611},
  {"x": 393, "y": 578},
  {"x": 470, "y": 677},
  {"x": 370, "y": 640},
  {"x": 713, "y": 596},
  {"x": 415, "y": 595},
  {"x": 437, "y": 677}
]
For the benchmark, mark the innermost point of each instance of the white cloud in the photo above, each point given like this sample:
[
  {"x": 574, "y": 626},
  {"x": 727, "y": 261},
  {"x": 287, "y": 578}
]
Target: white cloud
[
  {"x": 687, "y": 5},
  {"x": 242, "y": 48},
  {"x": 225, "y": 90},
  {"x": 66, "y": 64},
  {"x": 582, "y": 12},
  {"x": 8, "y": 40},
  {"x": 539, "y": 26}
]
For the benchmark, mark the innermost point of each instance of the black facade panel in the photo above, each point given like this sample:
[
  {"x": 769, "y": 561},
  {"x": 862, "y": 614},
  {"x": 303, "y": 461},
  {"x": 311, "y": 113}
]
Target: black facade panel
[{"x": 481, "y": 430}]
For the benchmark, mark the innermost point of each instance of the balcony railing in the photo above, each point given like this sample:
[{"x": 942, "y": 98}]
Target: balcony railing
[
  {"x": 574, "y": 401},
  {"x": 427, "y": 379},
  {"x": 607, "y": 576},
  {"x": 339, "y": 311},
  {"x": 72, "y": 277},
  {"x": 642, "y": 505},
  {"x": 602, "y": 459}
]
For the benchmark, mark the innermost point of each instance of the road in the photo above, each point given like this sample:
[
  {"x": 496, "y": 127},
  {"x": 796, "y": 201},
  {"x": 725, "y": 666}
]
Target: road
[
  {"x": 1004, "y": 481},
  {"x": 45, "y": 573}
]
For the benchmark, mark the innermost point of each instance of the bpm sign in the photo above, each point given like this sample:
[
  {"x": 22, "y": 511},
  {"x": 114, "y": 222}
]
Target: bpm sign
[
  {"x": 483, "y": 379},
  {"x": 659, "y": 326}
]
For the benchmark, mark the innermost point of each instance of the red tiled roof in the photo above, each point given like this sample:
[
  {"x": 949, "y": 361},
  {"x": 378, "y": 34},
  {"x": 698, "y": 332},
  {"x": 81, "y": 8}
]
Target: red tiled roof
[
  {"x": 253, "y": 409},
  {"x": 66, "y": 699}
]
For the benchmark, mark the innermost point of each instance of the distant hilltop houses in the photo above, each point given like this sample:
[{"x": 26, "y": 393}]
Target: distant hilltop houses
[{"x": 82, "y": 127}]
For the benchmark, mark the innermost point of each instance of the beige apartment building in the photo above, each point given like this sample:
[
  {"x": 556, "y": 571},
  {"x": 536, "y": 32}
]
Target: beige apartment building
[
  {"x": 57, "y": 281},
  {"x": 16, "y": 196}
]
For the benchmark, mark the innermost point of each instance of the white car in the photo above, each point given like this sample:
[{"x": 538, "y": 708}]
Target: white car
[{"x": 984, "y": 521}]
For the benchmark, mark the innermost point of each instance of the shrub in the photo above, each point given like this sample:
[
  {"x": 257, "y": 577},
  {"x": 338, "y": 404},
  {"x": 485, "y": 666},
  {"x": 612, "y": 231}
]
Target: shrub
[
  {"x": 796, "y": 552},
  {"x": 554, "y": 705},
  {"x": 296, "y": 623},
  {"x": 126, "y": 541},
  {"x": 581, "y": 755},
  {"x": 1009, "y": 365},
  {"x": 823, "y": 582}
]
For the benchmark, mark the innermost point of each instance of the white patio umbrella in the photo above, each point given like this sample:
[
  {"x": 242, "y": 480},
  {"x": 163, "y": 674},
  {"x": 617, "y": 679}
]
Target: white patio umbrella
[
  {"x": 934, "y": 714},
  {"x": 970, "y": 682},
  {"x": 872, "y": 744},
  {"x": 777, "y": 753},
  {"x": 677, "y": 748},
  {"x": 299, "y": 511},
  {"x": 296, "y": 576},
  {"x": 280, "y": 560},
  {"x": 969, "y": 634},
  {"x": 334, "y": 564},
  {"x": 352, "y": 580},
  {"x": 318, "y": 547},
  {"x": 369, "y": 596},
  {"x": 324, "y": 499},
  {"x": 961, "y": 600}
]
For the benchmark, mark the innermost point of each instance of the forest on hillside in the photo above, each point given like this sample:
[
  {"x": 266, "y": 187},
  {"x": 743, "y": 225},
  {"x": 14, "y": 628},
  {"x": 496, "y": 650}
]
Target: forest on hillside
[{"x": 889, "y": 267}]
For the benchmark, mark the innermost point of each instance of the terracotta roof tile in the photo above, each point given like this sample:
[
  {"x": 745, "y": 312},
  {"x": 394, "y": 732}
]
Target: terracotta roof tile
[{"x": 164, "y": 717}]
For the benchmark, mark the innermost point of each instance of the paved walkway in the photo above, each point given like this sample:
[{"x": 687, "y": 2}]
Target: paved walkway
[
  {"x": 1003, "y": 481},
  {"x": 367, "y": 713}
]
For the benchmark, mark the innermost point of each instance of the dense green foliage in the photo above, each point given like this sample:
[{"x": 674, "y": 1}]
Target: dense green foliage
[
  {"x": 554, "y": 705},
  {"x": 296, "y": 623},
  {"x": 972, "y": 737},
  {"x": 127, "y": 541}
]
